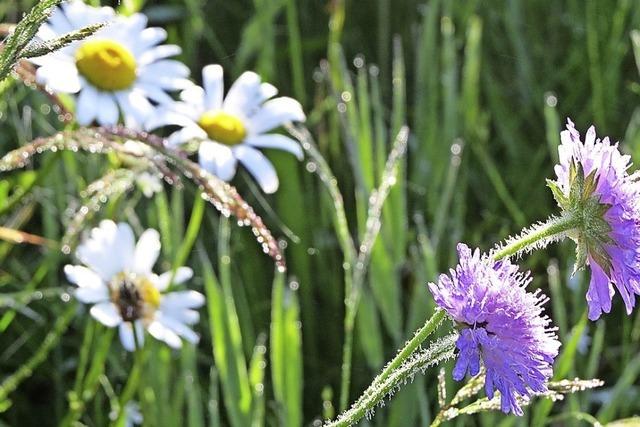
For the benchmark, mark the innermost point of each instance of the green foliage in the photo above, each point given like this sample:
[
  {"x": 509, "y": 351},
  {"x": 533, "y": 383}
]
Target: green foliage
[{"x": 483, "y": 88}]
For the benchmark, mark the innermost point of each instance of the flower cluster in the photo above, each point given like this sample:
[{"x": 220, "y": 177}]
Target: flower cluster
[
  {"x": 124, "y": 74},
  {"x": 593, "y": 184},
  {"x": 500, "y": 323},
  {"x": 117, "y": 278},
  {"x": 123, "y": 71}
]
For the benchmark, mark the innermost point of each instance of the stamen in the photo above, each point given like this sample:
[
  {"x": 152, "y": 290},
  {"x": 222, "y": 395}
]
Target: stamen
[
  {"x": 223, "y": 127},
  {"x": 106, "y": 64}
]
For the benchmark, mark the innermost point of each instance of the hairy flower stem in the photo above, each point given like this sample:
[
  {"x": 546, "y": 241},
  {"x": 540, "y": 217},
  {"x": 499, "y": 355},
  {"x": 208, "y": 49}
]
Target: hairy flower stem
[
  {"x": 531, "y": 239},
  {"x": 439, "y": 350},
  {"x": 410, "y": 347}
]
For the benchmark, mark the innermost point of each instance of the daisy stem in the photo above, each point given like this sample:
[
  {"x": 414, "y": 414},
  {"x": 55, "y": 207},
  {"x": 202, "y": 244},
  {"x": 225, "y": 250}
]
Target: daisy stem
[{"x": 550, "y": 230}]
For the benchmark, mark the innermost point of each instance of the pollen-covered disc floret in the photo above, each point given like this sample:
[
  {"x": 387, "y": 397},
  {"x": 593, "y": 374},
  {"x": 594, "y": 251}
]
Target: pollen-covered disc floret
[
  {"x": 121, "y": 70},
  {"x": 501, "y": 326},
  {"x": 232, "y": 129},
  {"x": 594, "y": 185},
  {"x": 117, "y": 279}
]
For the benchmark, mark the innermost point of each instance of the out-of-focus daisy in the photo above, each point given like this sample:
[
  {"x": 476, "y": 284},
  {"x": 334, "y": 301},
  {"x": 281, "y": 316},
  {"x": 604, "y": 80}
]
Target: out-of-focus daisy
[
  {"x": 117, "y": 279},
  {"x": 118, "y": 70},
  {"x": 133, "y": 416},
  {"x": 235, "y": 127},
  {"x": 501, "y": 326},
  {"x": 147, "y": 182},
  {"x": 594, "y": 187}
]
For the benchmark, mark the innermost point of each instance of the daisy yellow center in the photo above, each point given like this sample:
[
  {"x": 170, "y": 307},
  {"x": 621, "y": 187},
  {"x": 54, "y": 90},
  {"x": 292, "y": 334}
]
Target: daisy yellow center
[
  {"x": 107, "y": 64},
  {"x": 135, "y": 296},
  {"x": 223, "y": 127}
]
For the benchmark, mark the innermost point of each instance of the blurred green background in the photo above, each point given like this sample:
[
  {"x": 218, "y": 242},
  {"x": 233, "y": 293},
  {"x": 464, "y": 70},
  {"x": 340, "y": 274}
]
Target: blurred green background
[{"x": 484, "y": 87}]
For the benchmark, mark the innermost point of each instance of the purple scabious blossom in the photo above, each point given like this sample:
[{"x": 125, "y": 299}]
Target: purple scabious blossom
[
  {"x": 594, "y": 184},
  {"x": 501, "y": 325}
]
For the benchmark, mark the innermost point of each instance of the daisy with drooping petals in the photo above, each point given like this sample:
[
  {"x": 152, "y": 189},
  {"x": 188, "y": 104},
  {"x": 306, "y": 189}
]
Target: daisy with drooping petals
[
  {"x": 500, "y": 324},
  {"x": 233, "y": 128},
  {"x": 117, "y": 71},
  {"x": 117, "y": 279},
  {"x": 595, "y": 187}
]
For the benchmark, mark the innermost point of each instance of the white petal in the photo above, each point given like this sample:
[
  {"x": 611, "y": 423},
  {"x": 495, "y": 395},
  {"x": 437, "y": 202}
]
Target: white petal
[
  {"x": 107, "y": 109},
  {"x": 126, "y": 335},
  {"x": 194, "y": 96},
  {"x": 242, "y": 93},
  {"x": 154, "y": 93},
  {"x": 92, "y": 295},
  {"x": 163, "y": 68},
  {"x": 217, "y": 159},
  {"x": 280, "y": 142},
  {"x": 258, "y": 166},
  {"x": 162, "y": 333},
  {"x": 109, "y": 249},
  {"x": 182, "y": 299},
  {"x": 83, "y": 277},
  {"x": 147, "y": 251},
  {"x": 165, "y": 81},
  {"x": 182, "y": 275},
  {"x": 178, "y": 327},
  {"x": 135, "y": 107},
  {"x": 186, "y": 134},
  {"x": 166, "y": 117},
  {"x": 59, "y": 77},
  {"x": 87, "y": 106},
  {"x": 149, "y": 37},
  {"x": 106, "y": 313},
  {"x": 157, "y": 53},
  {"x": 274, "y": 113},
  {"x": 213, "y": 86},
  {"x": 59, "y": 22}
]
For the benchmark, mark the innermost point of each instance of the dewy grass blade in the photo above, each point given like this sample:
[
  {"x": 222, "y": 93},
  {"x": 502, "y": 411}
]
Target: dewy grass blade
[{"x": 286, "y": 352}]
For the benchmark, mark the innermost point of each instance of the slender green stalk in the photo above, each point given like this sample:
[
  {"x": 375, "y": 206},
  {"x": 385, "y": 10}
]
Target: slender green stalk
[
  {"x": 411, "y": 346},
  {"x": 530, "y": 239},
  {"x": 12, "y": 382},
  {"x": 439, "y": 351}
]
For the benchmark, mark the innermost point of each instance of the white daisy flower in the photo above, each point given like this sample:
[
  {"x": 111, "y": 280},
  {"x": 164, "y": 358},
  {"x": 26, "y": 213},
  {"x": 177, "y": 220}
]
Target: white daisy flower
[
  {"x": 234, "y": 128},
  {"x": 121, "y": 69},
  {"x": 117, "y": 279}
]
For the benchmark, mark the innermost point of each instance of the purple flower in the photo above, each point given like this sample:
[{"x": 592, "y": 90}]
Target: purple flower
[
  {"x": 501, "y": 324},
  {"x": 594, "y": 185}
]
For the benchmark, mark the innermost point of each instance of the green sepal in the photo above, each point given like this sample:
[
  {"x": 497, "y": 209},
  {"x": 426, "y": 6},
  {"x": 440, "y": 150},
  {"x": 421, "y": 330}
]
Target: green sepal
[{"x": 558, "y": 195}]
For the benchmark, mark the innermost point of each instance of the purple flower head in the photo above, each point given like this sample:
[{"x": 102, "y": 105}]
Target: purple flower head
[
  {"x": 501, "y": 325},
  {"x": 593, "y": 184}
]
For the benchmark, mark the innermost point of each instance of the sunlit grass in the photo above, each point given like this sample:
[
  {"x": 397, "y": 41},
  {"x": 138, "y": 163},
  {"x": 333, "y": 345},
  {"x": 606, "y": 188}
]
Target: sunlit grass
[{"x": 483, "y": 89}]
